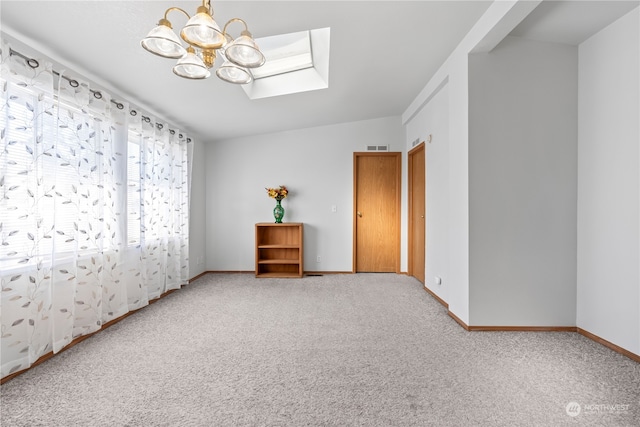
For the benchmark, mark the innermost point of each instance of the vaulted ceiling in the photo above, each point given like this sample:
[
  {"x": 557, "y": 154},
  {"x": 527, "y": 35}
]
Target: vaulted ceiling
[{"x": 382, "y": 55}]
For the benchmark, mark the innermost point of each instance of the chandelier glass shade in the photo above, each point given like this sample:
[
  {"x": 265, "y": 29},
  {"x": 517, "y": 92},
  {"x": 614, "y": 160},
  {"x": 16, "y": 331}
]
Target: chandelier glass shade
[
  {"x": 245, "y": 52},
  {"x": 162, "y": 41},
  {"x": 232, "y": 73},
  {"x": 202, "y": 31},
  {"x": 190, "y": 66},
  {"x": 204, "y": 40}
]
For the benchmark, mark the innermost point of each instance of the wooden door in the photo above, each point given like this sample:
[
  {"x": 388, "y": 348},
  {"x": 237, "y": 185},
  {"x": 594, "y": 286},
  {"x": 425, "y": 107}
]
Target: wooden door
[
  {"x": 417, "y": 222},
  {"x": 377, "y": 212}
]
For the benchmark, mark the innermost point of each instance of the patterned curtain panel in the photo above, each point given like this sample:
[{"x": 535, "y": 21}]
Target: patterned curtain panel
[{"x": 93, "y": 210}]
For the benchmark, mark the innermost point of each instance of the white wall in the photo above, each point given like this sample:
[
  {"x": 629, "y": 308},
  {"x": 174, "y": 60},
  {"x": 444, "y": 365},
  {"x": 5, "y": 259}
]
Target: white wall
[
  {"x": 433, "y": 121},
  {"x": 497, "y": 21},
  {"x": 608, "y": 201},
  {"x": 197, "y": 218},
  {"x": 523, "y": 184},
  {"x": 315, "y": 164},
  {"x": 607, "y": 254}
]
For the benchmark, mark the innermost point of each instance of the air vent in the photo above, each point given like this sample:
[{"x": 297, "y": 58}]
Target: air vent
[
  {"x": 415, "y": 142},
  {"x": 377, "y": 148}
]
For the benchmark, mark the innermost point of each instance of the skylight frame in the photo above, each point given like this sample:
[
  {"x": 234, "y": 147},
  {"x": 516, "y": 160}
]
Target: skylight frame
[
  {"x": 302, "y": 80},
  {"x": 285, "y": 53}
]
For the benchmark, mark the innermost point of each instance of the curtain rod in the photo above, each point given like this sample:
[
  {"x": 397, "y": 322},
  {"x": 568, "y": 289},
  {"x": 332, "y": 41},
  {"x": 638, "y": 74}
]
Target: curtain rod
[{"x": 33, "y": 63}]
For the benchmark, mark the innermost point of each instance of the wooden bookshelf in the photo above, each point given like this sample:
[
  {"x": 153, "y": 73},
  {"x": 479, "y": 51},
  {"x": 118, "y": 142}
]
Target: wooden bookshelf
[{"x": 279, "y": 249}]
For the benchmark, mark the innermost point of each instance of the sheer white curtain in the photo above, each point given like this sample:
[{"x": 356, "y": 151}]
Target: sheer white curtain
[{"x": 93, "y": 209}]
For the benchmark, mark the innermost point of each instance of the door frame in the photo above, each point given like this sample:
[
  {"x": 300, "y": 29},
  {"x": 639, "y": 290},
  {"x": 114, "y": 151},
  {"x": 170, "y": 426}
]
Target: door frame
[
  {"x": 411, "y": 219},
  {"x": 398, "y": 157}
]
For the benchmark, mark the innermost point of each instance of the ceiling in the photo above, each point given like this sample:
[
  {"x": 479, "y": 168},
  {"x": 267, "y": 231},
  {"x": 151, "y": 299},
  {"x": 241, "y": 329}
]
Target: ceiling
[
  {"x": 382, "y": 54},
  {"x": 571, "y": 22}
]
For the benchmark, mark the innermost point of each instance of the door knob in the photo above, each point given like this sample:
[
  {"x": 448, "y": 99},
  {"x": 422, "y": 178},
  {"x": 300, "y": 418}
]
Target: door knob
[
  {"x": 421, "y": 216},
  {"x": 359, "y": 214}
]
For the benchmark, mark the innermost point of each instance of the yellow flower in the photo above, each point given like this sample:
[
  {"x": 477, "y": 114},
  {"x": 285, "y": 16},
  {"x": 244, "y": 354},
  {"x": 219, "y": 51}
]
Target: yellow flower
[{"x": 278, "y": 193}]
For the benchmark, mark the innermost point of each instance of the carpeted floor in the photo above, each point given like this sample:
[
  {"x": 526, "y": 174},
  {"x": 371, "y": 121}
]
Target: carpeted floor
[{"x": 335, "y": 350}]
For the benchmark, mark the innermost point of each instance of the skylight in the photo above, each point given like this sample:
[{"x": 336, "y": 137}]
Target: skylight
[
  {"x": 296, "y": 62},
  {"x": 285, "y": 53}
]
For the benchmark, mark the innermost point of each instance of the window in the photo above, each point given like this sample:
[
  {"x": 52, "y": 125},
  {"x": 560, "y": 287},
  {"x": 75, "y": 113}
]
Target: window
[
  {"x": 54, "y": 158},
  {"x": 26, "y": 180},
  {"x": 134, "y": 214}
]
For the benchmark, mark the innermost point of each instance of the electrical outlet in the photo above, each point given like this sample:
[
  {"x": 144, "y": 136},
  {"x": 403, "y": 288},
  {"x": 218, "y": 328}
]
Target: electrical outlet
[{"x": 318, "y": 259}]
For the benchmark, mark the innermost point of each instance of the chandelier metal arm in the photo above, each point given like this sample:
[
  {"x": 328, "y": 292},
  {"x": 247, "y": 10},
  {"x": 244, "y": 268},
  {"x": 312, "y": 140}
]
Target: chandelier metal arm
[
  {"x": 231, "y": 21},
  {"x": 166, "y": 14}
]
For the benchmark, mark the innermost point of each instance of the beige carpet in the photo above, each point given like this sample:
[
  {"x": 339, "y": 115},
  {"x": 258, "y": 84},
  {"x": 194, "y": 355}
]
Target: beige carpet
[{"x": 335, "y": 350}]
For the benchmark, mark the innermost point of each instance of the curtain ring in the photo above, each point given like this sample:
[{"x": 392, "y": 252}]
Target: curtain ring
[
  {"x": 97, "y": 95},
  {"x": 146, "y": 119},
  {"x": 159, "y": 126},
  {"x": 119, "y": 105},
  {"x": 74, "y": 83},
  {"x": 33, "y": 63},
  {"x": 133, "y": 113},
  {"x": 172, "y": 132}
]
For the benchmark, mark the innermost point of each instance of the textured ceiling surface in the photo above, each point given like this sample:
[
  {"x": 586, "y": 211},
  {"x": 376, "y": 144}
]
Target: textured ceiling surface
[{"x": 382, "y": 54}]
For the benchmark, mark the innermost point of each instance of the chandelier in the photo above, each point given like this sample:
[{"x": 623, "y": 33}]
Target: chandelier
[{"x": 205, "y": 40}]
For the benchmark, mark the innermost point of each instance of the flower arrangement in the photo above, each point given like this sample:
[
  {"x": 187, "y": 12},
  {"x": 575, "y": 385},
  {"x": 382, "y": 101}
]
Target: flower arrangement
[{"x": 278, "y": 193}]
